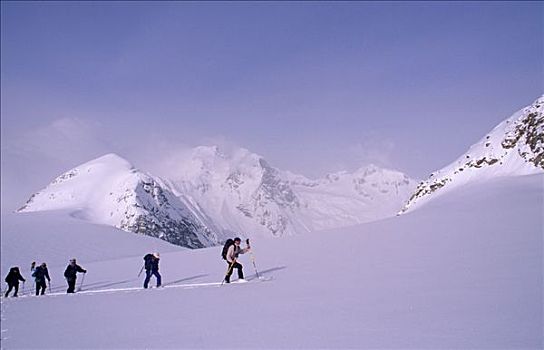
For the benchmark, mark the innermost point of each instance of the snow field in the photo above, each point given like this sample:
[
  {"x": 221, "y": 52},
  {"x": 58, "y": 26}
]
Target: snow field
[{"x": 462, "y": 272}]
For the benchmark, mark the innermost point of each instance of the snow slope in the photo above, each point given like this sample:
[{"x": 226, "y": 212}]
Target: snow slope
[
  {"x": 55, "y": 237},
  {"x": 465, "y": 271},
  {"x": 109, "y": 190},
  {"x": 514, "y": 147}
]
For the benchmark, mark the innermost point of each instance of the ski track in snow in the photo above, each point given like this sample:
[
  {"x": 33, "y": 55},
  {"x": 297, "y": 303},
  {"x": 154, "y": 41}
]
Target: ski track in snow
[
  {"x": 140, "y": 289},
  {"x": 250, "y": 281},
  {"x": 3, "y": 331}
]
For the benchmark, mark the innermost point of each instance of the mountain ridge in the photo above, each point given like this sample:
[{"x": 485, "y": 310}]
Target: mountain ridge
[{"x": 514, "y": 147}]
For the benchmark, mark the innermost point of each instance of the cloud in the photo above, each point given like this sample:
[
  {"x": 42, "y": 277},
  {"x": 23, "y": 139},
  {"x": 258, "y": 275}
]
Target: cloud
[
  {"x": 161, "y": 157},
  {"x": 69, "y": 140},
  {"x": 373, "y": 148},
  {"x": 32, "y": 158},
  {"x": 167, "y": 157}
]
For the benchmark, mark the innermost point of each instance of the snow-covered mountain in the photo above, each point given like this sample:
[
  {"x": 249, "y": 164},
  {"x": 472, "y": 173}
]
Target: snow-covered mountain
[
  {"x": 514, "y": 147},
  {"x": 243, "y": 193},
  {"x": 343, "y": 198},
  {"x": 239, "y": 191},
  {"x": 109, "y": 190},
  {"x": 215, "y": 194}
]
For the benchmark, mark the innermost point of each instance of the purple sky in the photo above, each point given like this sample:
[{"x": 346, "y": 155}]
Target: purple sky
[{"x": 313, "y": 87}]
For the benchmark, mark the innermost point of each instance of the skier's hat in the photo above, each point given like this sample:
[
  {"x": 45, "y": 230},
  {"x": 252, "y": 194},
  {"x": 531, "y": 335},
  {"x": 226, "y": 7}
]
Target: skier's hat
[
  {"x": 156, "y": 255},
  {"x": 237, "y": 239}
]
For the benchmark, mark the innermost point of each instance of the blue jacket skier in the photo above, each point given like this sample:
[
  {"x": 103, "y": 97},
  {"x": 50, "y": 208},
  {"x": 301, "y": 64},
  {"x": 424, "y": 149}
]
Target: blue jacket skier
[
  {"x": 71, "y": 275},
  {"x": 40, "y": 274},
  {"x": 152, "y": 268}
]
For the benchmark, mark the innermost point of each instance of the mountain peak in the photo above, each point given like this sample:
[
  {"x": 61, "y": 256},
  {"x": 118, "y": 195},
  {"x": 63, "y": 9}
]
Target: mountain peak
[
  {"x": 108, "y": 190},
  {"x": 110, "y": 157},
  {"x": 369, "y": 169},
  {"x": 110, "y": 161},
  {"x": 207, "y": 151}
]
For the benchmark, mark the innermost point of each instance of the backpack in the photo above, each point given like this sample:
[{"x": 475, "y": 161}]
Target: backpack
[
  {"x": 148, "y": 259},
  {"x": 39, "y": 274},
  {"x": 12, "y": 276},
  {"x": 226, "y": 247},
  {"x": 70, "y": 272}
]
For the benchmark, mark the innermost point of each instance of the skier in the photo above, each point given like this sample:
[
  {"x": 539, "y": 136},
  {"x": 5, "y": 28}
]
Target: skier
[
  {"x": 40, "y": 274},
  {"x": 32, "y": 269},
  {"x": 12, "y": 279},
  {"x": 231, "y": 256},
  {"x": 71, "y": 275},
  {"x": 152, "y": 268}
]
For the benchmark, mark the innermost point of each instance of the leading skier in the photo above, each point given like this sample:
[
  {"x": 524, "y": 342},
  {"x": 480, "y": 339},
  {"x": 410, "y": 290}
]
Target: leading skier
[{"x": 233, "y": 251}]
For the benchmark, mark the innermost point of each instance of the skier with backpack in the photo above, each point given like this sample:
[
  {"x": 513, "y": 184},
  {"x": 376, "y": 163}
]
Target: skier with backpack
[
  {"x": 40, "y": 274},
  {"x": 12, "y": 279},
  {"x": 32, "y": 269},
  {"x": 151, "y": 265},
  {"x": 71, "y": 275},
  {"x": 230, "y": 253}
]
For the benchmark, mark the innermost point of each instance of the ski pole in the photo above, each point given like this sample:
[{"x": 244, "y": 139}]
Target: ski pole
[
  {"x": 81, "y": 283},
  {"x": 252, "y": 259},
  {"x": 23, "y": 287},
  {"x": 229, "y": 270},
  {"x": 141, "y": 270}
]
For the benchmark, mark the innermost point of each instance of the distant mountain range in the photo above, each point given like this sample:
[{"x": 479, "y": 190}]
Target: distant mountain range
[
  {"x": 214, "y": 194},
  {"x": 241, "y": 192}
]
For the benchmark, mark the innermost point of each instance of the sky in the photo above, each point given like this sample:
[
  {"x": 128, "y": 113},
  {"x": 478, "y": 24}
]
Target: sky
[{"x": 313, "y": 87}]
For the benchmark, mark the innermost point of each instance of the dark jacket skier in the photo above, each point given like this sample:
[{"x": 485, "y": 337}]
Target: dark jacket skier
[
  {"x": 12, "y": 279},
  {"x": 71, "y": 275},
  {"x": 40, "y": 274},
  {"x": 232, "y": 255},
  {"x": 152, "y": 268}
]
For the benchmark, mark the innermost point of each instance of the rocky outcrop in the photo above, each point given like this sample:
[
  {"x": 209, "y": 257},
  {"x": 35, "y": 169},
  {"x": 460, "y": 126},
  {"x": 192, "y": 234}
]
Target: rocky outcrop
[{"x": 514, "y": 147}]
